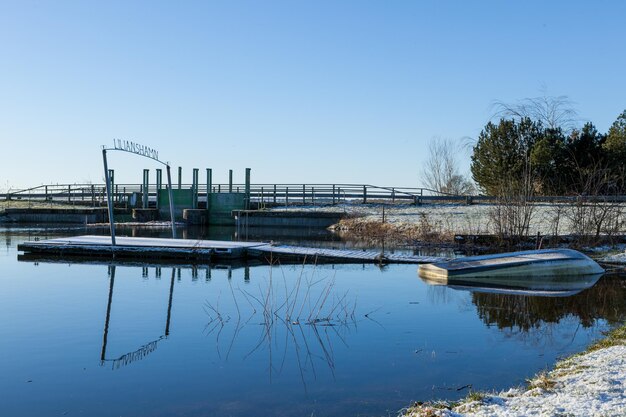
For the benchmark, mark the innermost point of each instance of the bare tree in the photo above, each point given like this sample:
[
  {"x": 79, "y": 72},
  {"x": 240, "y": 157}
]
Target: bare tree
[
  {"x": 441, "y": 171},
  {"x": 552, "y": 112},
  {"x": 595, "y": 212},
  {"x": 513, "y": 212}
]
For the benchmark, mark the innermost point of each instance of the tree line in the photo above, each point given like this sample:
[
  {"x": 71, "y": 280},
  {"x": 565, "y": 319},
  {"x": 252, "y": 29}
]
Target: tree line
[{"x": 524, "y": 151}]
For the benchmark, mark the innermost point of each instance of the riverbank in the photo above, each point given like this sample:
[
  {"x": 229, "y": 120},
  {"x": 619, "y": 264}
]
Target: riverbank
[
  {"x": 592, "y": 383},
  {"x": 479, "y": 225}
]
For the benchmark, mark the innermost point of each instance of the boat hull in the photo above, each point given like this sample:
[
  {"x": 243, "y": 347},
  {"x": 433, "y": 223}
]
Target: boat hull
[{"x": 544, "y": 269}]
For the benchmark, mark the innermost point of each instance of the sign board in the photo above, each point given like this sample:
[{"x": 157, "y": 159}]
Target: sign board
[{"x": 137, "y": 148}]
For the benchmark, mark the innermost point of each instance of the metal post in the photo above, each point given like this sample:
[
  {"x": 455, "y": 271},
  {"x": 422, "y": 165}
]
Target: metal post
[
  {"x": 112, "y": 179},
  {"x": 286, "y": 196},
  {"x": 194, "y": 188},
  {"x": 230, "y": 180},
  {"x": 180, "y": 177},
  {"x": 247, "y": 198},
  {"x": 274, "y": 193},
  {"x": 159, "y": 185},
  {"x": 303, "y": 194},
  {"x": 333, "y": 194},
  {"x": 171, "y": 198},
  {"x": 364, "y": 194},
  {"x": 109, "y": 201},
  {"x": 146, "y": 181},
  {"x": 209, "y": 185}
]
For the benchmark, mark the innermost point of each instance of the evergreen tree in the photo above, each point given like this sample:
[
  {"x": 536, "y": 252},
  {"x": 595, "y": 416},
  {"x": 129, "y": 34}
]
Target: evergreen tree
[
  {"x": 615, "y": 143},
  {"x": 501, "y": 154},
  {"x": 615, "y": 148},
  {"x": 585, "y": 156},
  {"x": 548, "y": 158}
]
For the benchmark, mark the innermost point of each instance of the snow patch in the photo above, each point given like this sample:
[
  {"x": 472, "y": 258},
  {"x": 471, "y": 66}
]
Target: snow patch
[{"x": 591, "y": 384}]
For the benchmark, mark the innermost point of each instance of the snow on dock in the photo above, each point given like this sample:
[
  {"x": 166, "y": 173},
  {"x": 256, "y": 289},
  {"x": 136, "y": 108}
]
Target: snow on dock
[{"x": 206, "y": 250}]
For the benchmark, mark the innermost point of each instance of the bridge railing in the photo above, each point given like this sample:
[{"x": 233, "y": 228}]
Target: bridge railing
[
  {"x": 95, "y": 194},
  {"x": 265, "y": 194}
]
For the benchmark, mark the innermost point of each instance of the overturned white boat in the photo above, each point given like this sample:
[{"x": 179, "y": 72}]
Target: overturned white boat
[{"x": 548, "y": 269}]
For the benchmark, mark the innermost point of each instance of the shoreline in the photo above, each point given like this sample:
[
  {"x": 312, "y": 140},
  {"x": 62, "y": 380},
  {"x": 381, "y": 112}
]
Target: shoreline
[{"x": 590, "y": 383}]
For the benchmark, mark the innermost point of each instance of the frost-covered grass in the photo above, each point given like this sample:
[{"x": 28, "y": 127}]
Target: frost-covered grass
[
  {"x": 592, "y": 383},
  {"x": 547, "y": 219},
  {"x": 574, "y": 224},
  {"x": 4, "y": 204},
  {"x": 616, "y": 257}
]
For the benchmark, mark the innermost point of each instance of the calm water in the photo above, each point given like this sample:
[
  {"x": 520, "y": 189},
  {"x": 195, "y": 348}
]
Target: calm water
[{"x": 138, "y": 340}]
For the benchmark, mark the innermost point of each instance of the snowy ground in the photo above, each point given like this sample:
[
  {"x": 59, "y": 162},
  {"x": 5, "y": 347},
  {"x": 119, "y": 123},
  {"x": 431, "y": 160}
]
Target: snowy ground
[
  {"x": 591, "y": 384},
  {"x": 616, "y": 258},
  {"x": 547, "y": 219}
]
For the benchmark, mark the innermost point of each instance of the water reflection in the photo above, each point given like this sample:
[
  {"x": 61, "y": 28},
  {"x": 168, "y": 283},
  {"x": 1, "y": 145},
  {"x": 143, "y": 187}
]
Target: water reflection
[
  {"x": 145, "y": 349},
  {"x": 298, "y": 340},
  {"x": 527, "y": 309},
  {"x": 295, "y": 321},
  {"x": 536, "y": 286},
  {"x": 605, "y": 300},
  {"x": 289, "y": 323}
]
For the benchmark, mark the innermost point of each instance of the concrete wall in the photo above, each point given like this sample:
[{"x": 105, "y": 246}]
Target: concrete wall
[
  {"x": 55, "y": 215},
  {"x": 252, "y": 218},
  {"x": 144, "y": 215},
  {"x": 222, "y": 205},
  {"x": 183, "y": 199}
]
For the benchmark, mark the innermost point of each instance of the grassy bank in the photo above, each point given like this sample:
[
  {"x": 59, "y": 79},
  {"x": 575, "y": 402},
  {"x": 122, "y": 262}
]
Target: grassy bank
[
  {"x": 488, "y": 226},
  {"x": 587, "y": 383}
]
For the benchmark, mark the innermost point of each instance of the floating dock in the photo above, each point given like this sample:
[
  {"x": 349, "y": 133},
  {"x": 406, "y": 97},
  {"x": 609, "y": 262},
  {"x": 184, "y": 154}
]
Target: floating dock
[{"x": 207, "y": 250}]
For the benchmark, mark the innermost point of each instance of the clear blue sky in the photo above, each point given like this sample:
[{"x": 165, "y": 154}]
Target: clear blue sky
[{"x": 317, "y": 91}]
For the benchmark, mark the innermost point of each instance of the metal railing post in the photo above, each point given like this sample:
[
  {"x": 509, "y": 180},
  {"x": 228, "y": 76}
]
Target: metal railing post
[
  {"x": 209, "y": 185},
  {"x": 146, "y": 181},
  {"x": 171, "y": 198},
  {"x": 109, "y": 198}
]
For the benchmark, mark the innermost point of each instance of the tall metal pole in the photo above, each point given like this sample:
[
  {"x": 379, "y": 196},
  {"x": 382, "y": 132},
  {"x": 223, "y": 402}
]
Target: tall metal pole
[
  {"x": 109, "y": 198},
  {"x": 171, "y": 198}
]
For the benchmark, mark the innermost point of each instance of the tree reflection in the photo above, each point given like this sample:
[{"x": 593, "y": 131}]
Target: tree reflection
[{"x": 604, "y": 301}]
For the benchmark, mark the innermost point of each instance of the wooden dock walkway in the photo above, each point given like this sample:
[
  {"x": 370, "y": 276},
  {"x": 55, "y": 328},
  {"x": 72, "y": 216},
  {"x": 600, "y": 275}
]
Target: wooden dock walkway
[{"x": 207, "y": 250}]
